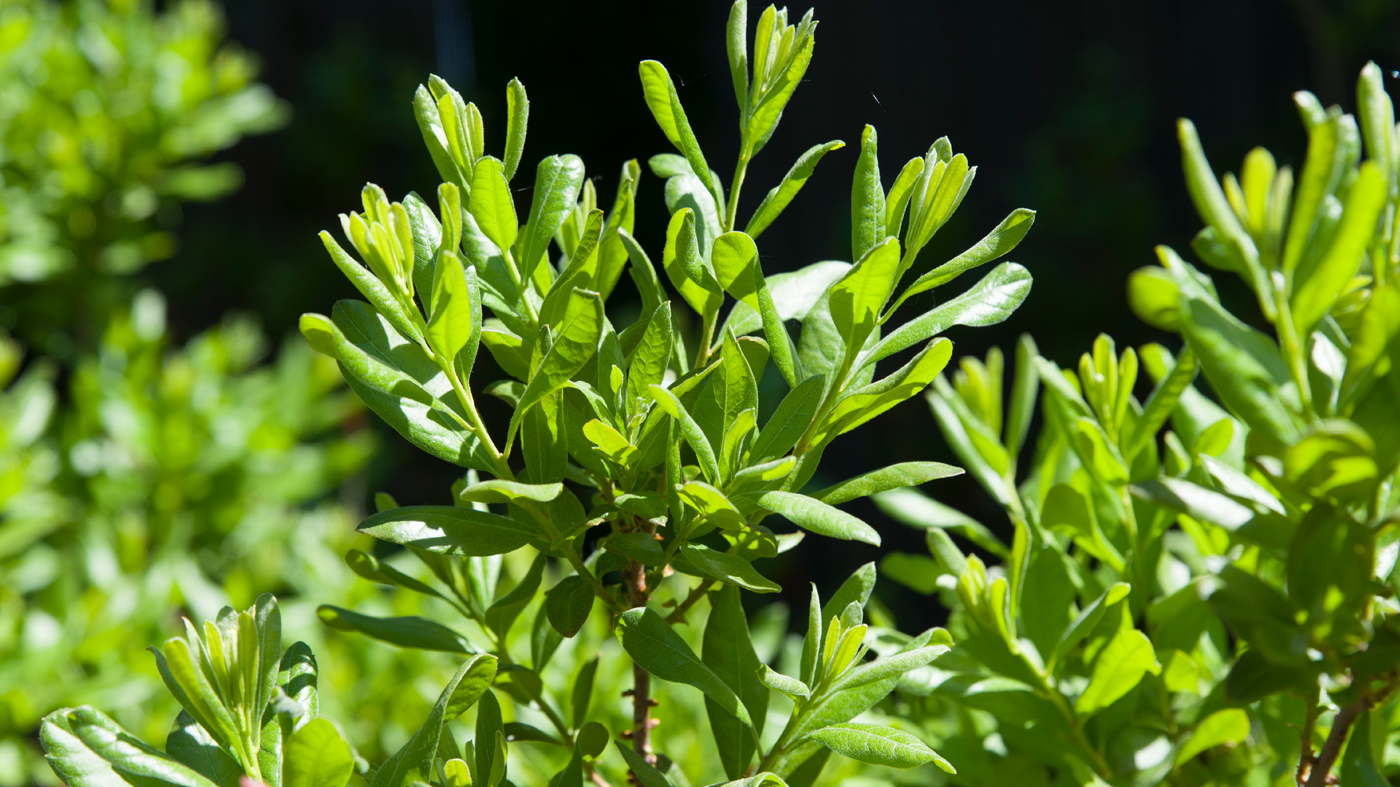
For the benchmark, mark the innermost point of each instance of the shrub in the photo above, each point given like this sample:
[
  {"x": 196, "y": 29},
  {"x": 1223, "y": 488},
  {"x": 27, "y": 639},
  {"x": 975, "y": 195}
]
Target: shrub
[
  {"x": 1217, "y": 606},
  {"x": 633, "y": 480}
]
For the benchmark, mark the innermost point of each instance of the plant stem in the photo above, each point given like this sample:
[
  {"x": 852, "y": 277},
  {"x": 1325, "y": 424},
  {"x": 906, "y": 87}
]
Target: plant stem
[
  {"x": 678, "y": 614},
  {"x": 636, "y": 579},
  {"x": 1341, "y": 726},
  {"x": 1305, "y": 761},
  {"x": 740, "y": 169},
  {"x": 707, "y": 338}
]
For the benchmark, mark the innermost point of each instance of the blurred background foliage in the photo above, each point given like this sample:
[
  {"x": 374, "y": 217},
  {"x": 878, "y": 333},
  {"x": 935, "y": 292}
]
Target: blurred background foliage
[{"x": 156, "y": 455}]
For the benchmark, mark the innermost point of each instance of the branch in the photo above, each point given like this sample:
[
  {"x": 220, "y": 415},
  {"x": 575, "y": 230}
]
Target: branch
[{"x": 1341, "y": 726}]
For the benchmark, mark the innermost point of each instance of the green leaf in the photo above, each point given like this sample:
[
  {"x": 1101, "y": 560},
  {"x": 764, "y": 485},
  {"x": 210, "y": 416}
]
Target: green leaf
[
  {"x": 728, "y": 651},
  {"x": 892, "y": 666},
  {"x": 1215, "y": 210},
  {"x": 1117, "y": 670},
  {"x": 491, "y": 204},
  {"x": 1197, "y": 502},
  {"x": 652, "y": 357},
  {"x": 877, "y": 745},
  {"x": 779, "y": 682},
  {"x": 646, "y": 773},
  {"x": 818, "y": 517},
  {"x": 1316, "y": 287},
  {"x": 371, "y": 568},
  {"x": 317, "y": 756},
  {"x": 887, "y": 478},
  {"x": 916, "y": 509},
  {"x": 517, "y": 119},
  {"x": 1322, "y": 172},
  {"x": 557, "y": 183},
  {"x": 455, "y": 323},
  {"x": 500, "y": 491},
  {"x": 734, "y": 257},
  {"x": 868, "y": 203},
  {"x": 649, "y": 640},
  {"x": 488, "y": 726},
  {"x": 1224, "y": 727},
  {"x": 575, "y": 343},
  {"x": 897, "y": 201},
  {"x": 425, "y": 111},
  {"x": 704, "y": 453},
  {"x": 582, "y": 694},
  {"x": 501, "y": 615},
  {"x": 665, "y": 106},
  {"x": 780, "y": 195},
  {"x": 414, "y": 762},
  {"x": 987, "y": 302},
  {"x": 998, "y": 243},
  {"x": 406, "y": 632},
  {"x": 1088, "y": 619},
  {"x": 683, "y": 260},
  {"x": 863, "y": 404},
  {"x": 792, "y": 418},
  {"x": 639, "y": 546},
  {"x": 86, "y": 748},
  {"x": 726, "y": 568},
  {"x": 448, "y": 530},
  {"x": 373, "y": 289},
  {"x": 856, "y": 300},
  {"x": 568, "y": 604},
  {"x": 736, "y": 44},
  {"x": 190, "y": 744},
  {"x": 1244, "y": 368}
]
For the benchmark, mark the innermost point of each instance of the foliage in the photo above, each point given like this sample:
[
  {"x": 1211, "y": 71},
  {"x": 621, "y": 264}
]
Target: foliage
[
  {"x": 106, "y": 110},
  {"x": 1217, "y": 607},
  {"x": 140, "y": 475},
  {"x": 643, "y": 481}
]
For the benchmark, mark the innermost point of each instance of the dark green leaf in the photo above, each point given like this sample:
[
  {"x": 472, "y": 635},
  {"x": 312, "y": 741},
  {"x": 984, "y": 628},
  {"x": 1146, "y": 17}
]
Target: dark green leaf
[{"x": 405, "y": 632}]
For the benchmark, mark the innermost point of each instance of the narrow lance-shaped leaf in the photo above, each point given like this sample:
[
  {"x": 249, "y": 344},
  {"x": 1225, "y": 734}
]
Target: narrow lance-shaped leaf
[
  {"x": 856, "y": 299},
  {"x": 877, "y": 745},
  {"x": 657, "y": 649},
  {"x": 517, "y": 119},
  {"x": 998, "y": 243},
  {"x": 867, "y": 199},
  {"x": 450, "y": 530},
  {"x": 557, "y": 183},
  {"x": 665, "y": 105},
  {"x": 782, "y": 194},
  {"x": 576, "y": 342},
  {"x": 818, "y": 517},
  {"x": 491, "y": 203}
]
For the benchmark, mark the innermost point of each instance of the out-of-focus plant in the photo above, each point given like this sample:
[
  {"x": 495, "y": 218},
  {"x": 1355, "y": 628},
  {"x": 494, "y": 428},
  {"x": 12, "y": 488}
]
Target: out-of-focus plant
[
  {"x": 251, "y": 715},
  {"x": 1218, "y": 607},
  {"x": 140, "y": 476},
  {"x": 173, "y": 477},
  {"x": 107, "y": 110},
  {"x": 634, "y": 480}
]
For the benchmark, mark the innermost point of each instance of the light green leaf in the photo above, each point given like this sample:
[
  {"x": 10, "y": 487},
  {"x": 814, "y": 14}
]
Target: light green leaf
[
  {"x": 449, "y": 530},
  {"x": 454, "y": 320},
  {"x": 779, "y": 682},
  {"x": 704, "y": 453},
  {"x": 491, "y": 204},
  {"x": 868, "y": 202},
  {"x": 1316, "y": 287},
  {"x": 685, "y": 265},
  {"x": 877, "y": 745},
  {"x": 780, "y": 195},
  {"x": 652, "y": 356},
  {"x": 987, "y": 302},
  {"x": 1224, "y": 727},
  {"x": 86, "y": 748},
  {"x": 1117, "y": 670},
  {"x": 726, "y": 568},
  {"x": 575, "y": 343},
  {"x": 414, "y": 762},
  {"x": 316, "y": 756},
  {"x": 887, "y": 478},
  {"x": 817, "y": 517},
  {"x": 517, "y": 118},
  {"x": 557, "y": 183},
  {"x": 665, "y": 106},
  {"x": 1089, "y": 618},
  {"x": 499, "y": 491},
  {"x": 998, "y": 243}
]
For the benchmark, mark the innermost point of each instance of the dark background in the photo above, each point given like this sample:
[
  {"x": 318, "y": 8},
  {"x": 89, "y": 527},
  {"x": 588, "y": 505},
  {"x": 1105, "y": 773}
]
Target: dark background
[{"x": 1067, "y": 108}]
